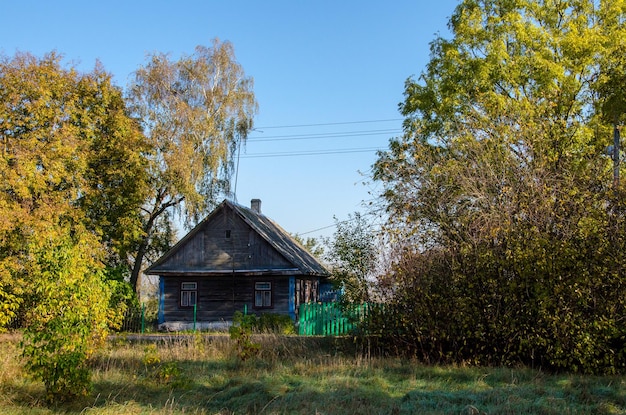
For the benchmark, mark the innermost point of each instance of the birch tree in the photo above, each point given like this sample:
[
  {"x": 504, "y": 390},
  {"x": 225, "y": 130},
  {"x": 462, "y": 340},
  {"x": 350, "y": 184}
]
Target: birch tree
[{"x": 195, "y": 111}]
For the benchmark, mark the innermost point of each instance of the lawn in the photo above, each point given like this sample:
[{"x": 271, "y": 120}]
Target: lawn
[{"x": 294, "y": 375}]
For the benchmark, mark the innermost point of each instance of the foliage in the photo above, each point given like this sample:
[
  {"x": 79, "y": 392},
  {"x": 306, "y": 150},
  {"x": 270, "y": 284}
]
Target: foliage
[
  {"x": 69, "y": 319},
  {"x": 71, "y": 156},
  {"x": 196, "y": 112},
  {"x": 312, "y": 245},
  {"x": 352, "y": 254},
  {"x": 116, "y": 177},
  {"x": 241, "y": 333},
  {"x": 151, "y": 356},
  {"x": 159, "y": 371},
  {"x": 274, "y": 323},
  {"x": 506, "y": 228},
  {"x": 70, "y": 169}
]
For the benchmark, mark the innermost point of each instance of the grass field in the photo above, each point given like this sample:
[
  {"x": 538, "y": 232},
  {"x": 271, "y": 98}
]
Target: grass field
[{"x": 292, "y": 375}]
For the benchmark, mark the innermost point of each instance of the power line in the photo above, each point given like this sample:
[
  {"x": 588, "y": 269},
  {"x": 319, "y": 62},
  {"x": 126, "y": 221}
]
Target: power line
[
  {"x": 323, "y": 135},
  {"x": 329, "y": 123},
  {"x": 352, "y": 219},
  {"x": 313, "y": 152}
]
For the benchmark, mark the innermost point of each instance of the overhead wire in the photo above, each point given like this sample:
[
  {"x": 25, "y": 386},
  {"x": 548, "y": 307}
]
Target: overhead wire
[
  {"x": 328, "y": 123},
  {"x": 322, "y": 135},
  {"x": 313, "y": 152},
  {"x": 341, "y": 222},
  {"x": 319, "y": 136}
]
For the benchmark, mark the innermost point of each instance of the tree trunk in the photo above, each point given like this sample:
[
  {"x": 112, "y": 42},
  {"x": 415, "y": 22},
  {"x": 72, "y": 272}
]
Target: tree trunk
[
  {"x": 135, "y": 281},
  {"x": 157, "y": 211}
]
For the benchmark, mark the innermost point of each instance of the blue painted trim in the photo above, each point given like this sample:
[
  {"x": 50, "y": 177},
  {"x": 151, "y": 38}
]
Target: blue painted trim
[
  {"x": 161, "y": 314},
  {"x": 292, "y": 297}
]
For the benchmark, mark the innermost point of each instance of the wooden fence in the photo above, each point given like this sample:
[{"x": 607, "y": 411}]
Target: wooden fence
[{"x": 330, "y": 319}]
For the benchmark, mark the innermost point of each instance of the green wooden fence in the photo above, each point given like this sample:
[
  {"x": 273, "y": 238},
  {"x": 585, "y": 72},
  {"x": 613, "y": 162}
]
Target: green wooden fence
[{"x": 329, "y": 319}]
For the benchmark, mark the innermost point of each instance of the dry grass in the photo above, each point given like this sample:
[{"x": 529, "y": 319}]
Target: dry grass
[{"x": 294, "y": 375}]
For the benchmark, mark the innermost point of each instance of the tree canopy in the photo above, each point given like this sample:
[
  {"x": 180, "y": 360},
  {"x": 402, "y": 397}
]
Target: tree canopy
[
  {"x": 71, "y": 185},
  {"x": 71, "y": 163},
  {"x": 353, "y": 257},
  {"x": 499, "y": 188}
]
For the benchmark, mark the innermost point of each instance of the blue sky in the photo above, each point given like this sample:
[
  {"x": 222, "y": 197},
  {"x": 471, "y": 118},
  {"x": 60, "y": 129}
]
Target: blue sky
[{"x": 328, "y": 77}]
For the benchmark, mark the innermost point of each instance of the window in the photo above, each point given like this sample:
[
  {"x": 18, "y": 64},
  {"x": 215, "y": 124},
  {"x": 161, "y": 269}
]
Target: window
[
  {"x": 263, "y": 294},
  {"x": 188, "y": 294}
]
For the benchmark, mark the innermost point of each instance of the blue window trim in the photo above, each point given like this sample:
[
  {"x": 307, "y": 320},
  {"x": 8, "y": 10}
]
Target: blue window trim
[
  {"x": 161, "y": 314},
  {"x": 292, "y": 297}
]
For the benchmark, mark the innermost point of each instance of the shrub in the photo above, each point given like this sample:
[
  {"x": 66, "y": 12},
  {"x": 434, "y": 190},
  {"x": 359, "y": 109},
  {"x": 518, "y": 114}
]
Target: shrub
[
  {"x": 69, "y": 319},
  {"x": 275, "y": 323},
  {"x": 241, "y": 333},
  {"x": 473, "y": 313}
]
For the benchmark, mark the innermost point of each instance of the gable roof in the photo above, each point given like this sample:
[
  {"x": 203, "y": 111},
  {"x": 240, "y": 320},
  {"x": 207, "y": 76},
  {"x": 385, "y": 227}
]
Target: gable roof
[{"x": 267, "y": 229}]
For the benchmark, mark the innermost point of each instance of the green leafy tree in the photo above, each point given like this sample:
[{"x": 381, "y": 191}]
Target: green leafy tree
[
  {"x": 312, "y": 245},
  {"x": 115, "y": 175},
  {"x": 353, "y": 257},
  {"x": 500, "y": 201},
  {"x": 196, "y": 112},
  {"x": 611, "y": 79}
]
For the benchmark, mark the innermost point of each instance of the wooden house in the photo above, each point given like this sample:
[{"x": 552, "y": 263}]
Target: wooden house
[{"x": 236, "y": 259}]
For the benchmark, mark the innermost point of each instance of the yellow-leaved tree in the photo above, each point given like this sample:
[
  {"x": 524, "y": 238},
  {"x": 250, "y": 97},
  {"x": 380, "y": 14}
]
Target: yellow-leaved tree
[{"x": 70, "y": 175}]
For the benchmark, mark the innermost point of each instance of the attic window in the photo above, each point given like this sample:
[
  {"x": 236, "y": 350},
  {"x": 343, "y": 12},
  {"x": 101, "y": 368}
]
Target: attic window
[
  {"x": 263, "y": 295},
  {"x": 227, "y": 234}
]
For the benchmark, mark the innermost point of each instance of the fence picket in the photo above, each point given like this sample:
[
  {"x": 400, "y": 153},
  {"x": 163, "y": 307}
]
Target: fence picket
[{"x": 330, "y": 319}]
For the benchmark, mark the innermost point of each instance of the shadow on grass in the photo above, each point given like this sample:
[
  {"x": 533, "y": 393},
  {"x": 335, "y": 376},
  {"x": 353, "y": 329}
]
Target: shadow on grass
[
  {"x": 250, "y": 397},
  {"x": 223, "y": 387},
  {"x": 288, "y": 381}
]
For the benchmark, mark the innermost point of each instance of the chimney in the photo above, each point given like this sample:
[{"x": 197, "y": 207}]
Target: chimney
[{"x": 255, "y": 205}]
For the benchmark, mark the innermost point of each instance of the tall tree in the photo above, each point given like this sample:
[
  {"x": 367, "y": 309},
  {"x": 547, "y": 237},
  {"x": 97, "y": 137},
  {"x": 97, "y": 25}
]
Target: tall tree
[
  {"x": 196, "y": 112},
  {"x": 353, "y": 257},
  {"x": 500, "y": 172},
  {"x": 116, "y": 176},
  {"x": 68, "y": 149},
  {"x": 71, "y": 159}
]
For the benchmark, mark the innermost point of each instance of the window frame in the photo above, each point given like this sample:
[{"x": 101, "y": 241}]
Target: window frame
[
  {"x": 188, "y": 294},
  {"x": 263, "y": 291}
]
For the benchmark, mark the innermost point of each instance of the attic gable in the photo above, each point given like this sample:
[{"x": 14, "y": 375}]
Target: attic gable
[{"x": 234, "y": 239}]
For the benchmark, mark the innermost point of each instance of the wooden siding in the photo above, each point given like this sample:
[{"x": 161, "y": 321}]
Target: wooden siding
[
  {"x": 220, "y": 297},
  {"x": 225, "y": 243}
]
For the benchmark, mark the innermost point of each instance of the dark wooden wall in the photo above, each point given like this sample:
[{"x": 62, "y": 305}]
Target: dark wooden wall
[
  {"x": 224, "y": 243},
  {"x": 220, "y": 296}
]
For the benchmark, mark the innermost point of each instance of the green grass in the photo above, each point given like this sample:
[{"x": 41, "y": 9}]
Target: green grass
[{"x": 201, "y": 375}]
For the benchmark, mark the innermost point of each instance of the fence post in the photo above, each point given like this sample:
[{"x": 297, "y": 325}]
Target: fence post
[
  {"x": 195, "y": 311},
  {"x": 143, "y": 318},
  {"x": 307, "y": 318}
]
